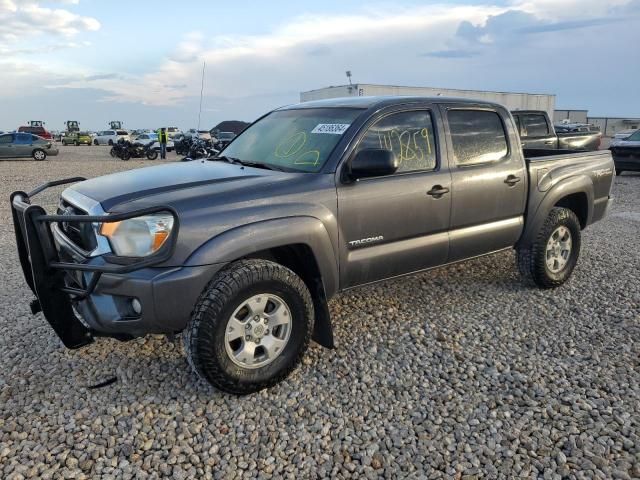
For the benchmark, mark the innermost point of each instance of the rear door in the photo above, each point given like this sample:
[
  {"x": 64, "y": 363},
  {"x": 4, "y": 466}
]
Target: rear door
[
  {"x": 391, "y": 225},
  {"x": 536, "y": 132},
  {"x": 7, "y": 148},
  {"x": 489, "y": 180}
]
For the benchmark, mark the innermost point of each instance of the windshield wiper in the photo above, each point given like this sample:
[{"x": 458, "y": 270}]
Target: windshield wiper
[
  {"x": 247, "y": 163},
  {"x": 224, "y": 158}
]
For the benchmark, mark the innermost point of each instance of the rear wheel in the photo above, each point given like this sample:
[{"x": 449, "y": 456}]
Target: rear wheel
[
  {"x": 250, "y": 327},
  {"x": 110, "y": 142},
  {"x": 126, "y": 155},
  {"x": 112, "y": 152},
  {"x": 618, "y": 172},
  {"x": 77, "y": 144},
  {"x": 550, "y": 260},
  {"x": 39, "y": 154},
  {"x": 152, "y": 154}
]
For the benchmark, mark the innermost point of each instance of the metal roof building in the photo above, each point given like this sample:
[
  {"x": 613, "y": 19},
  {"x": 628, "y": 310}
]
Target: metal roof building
[{"x": 511, "y": 100}]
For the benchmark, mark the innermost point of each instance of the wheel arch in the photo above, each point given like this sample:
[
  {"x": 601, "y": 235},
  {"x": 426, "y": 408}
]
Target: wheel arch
[
  {"x": 301, "y": 244},
  {"x": 575, "y": 193}
]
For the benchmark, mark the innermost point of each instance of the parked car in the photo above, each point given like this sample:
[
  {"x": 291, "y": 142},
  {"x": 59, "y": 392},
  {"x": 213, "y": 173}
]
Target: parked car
[
  {"x": 173, "y": 132},
  {"x": 36, "y": 130},
  {"x": 626, "y": 153},
  {"x": 109, "y": 137},
  {"x": 242, "y": 252},
  {"x": 19, "y": 145},
  {"x": 624, "y": 134},
  {"x": 77, "y": 138},
  {"x": 537, "y": 131},
  {"x": 147, "y": 138},
  {"x": 223, "y": 139}
]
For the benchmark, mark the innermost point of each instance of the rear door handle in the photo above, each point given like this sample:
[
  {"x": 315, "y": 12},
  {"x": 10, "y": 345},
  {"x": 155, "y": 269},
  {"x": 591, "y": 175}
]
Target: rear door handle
[
  {"x": 438, "y": 191},
  {"x": 549, "y": 142},
  {"x": 511, "y": 180}
]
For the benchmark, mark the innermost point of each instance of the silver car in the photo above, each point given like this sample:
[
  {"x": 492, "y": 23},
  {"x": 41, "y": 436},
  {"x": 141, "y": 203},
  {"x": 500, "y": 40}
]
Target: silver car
[{"x": 16, "y": 145}]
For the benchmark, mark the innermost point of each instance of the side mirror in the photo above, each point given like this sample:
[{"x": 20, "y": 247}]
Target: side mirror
[{"x": 372, "y": 163}]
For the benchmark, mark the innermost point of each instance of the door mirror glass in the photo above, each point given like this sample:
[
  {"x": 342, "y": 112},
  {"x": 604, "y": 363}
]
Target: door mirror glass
[{"x": 372, "y": 162}]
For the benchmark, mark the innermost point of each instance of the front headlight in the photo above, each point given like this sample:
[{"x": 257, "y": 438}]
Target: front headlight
[{"x": 138, "y": 237}]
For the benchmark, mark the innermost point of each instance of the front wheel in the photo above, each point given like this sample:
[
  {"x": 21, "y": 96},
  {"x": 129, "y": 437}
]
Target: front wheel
[
  {"x": 152, "y": 154},
  {"x": 618, "y": 172},
  {"x": 250, "y": 327},
  {"x": 39, "y": 154},
  {"x": 126, "y": 155},
  {"x": 550, "y": 260},
  {"x": 113, "y": 152},
  {"x": 95, "y": 142}
]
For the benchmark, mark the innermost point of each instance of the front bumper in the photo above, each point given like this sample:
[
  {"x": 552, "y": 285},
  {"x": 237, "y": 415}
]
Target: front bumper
[{"x": 82, "y": 297}]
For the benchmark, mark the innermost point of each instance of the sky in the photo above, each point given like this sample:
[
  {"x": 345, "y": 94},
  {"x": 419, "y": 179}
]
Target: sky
[{"x": 141, "y": 61}]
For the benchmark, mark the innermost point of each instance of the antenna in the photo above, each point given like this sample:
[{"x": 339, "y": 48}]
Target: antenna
[
  {"x": 348, "y": 72},
  {"x": 201, "y": 92}
]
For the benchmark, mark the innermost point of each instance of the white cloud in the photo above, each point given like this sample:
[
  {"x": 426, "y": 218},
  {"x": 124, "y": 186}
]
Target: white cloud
[{"x": 26, "y": 19}]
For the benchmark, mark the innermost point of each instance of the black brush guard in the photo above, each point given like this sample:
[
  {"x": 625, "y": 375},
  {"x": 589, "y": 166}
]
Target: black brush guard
[{"x": 45, "y": 273}]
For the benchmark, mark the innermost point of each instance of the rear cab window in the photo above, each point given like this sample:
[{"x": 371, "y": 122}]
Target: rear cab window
[{"x": 477, "y": 136}]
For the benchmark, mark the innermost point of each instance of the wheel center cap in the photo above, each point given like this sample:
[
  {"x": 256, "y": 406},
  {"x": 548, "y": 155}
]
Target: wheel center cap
[{"x": 258, "y": 331}]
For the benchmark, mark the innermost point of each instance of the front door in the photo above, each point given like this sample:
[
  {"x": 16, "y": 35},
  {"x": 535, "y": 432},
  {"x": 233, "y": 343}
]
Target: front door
[
  {"x": 396, "y": 224},
  {"x": 22, "y": 143},
  {"x": 489, "y": 181}
]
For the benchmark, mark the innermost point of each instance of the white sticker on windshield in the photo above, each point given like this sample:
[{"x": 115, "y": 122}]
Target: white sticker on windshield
[{"x": 333, "y": 128}]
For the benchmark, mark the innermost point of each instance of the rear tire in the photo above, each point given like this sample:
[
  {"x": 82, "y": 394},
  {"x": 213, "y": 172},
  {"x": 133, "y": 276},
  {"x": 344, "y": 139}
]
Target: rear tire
[
  {"x": 126, "y": 155},
  {"x": 227, "y": 349},
  {"x": 39, "y": 154},
  {"x": 152, "y": 154},
  {"x": 618, "y": 172},
  {"x": 112, "y": 152},
  {"x": 550, "y": 260},
  {"x": 110, "y": 142},
  {"x": 77, "y": 144}
]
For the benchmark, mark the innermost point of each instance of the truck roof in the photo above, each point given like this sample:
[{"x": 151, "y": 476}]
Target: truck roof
[{"x": 381, "y": 101}]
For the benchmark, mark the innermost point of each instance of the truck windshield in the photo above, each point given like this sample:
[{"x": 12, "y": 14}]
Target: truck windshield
[{"x": 298, "y": 140}]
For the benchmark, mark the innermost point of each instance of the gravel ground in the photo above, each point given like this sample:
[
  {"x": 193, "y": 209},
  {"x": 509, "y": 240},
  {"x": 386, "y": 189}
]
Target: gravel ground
[{"x": 457, "y": 373}]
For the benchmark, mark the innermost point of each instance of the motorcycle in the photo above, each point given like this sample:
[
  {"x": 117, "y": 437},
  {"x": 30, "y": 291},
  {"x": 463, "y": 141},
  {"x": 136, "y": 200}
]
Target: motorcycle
[
  {"x": 200, "y": 149},
  {"x": 126, "y": 150}
]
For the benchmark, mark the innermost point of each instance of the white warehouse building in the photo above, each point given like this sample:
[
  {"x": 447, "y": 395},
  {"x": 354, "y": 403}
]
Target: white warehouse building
[{"x": 513, "y": 101}]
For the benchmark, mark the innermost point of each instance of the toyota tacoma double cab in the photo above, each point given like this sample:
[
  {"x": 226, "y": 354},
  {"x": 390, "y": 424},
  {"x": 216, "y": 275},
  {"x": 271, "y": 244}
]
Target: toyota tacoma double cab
[{"x": 242, "y": 252}]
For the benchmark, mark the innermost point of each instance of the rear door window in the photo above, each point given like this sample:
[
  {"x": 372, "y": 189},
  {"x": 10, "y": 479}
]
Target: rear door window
[
  {"x": 477, "y": 136},
  {"x": 535, "y": 125},
  {"x": 5, "y": 139}
]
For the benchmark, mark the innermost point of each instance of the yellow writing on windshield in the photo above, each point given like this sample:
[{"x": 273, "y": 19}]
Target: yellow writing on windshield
[{"x": 291, "y": 145}]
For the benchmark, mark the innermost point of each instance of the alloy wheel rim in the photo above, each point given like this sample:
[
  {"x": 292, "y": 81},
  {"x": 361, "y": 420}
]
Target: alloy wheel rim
[
  {"x": 258, "y": 331},
  {"x": 558, "y": 249}
]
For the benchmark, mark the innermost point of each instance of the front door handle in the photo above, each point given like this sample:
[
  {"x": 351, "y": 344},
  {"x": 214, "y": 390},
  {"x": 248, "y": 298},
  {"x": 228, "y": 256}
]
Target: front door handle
[
  {"x": 438, "y": 191},
  {"x": 549, "y": 142},
  {"x": 511, "y": 180}
]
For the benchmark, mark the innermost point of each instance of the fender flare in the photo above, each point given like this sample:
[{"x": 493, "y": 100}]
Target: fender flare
[
  {"x": 248, "y": 239},
  {"x": 578, "y": 184}
]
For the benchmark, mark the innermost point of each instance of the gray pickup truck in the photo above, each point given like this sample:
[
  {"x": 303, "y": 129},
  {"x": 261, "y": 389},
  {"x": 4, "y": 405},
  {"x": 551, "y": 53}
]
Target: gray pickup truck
[
  {"x": 537, "y": 131},
  {"x": 242, "y": 252}
]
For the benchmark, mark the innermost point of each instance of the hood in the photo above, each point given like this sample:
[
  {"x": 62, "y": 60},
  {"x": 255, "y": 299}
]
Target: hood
[{"x": 163, "y": 182}]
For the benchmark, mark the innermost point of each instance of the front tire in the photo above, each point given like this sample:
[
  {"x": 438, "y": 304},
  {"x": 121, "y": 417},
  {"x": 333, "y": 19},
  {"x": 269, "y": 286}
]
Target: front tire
[
  {"x": 250, "y": 327},
  {"x": 550, "y": 260},
  {"x": 39, "y": 154},
  {"x": 95, "y": 142},
  {"x": 152, "y": 154}
]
